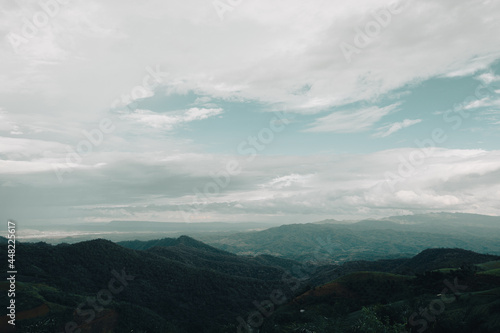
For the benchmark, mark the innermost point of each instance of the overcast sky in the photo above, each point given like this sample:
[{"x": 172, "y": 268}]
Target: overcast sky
[{"x": 280, "y": 111}]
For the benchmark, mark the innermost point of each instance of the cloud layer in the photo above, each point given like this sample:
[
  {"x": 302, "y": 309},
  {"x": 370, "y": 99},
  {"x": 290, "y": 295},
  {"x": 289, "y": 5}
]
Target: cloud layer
[{"x": 183, "y": 88}]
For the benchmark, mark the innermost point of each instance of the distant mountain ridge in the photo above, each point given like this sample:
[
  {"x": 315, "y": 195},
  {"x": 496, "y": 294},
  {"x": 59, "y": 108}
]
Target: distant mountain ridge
[
  {"x": 462, "y": 219},
  {"x": 443, "y": 223},
  {"x": 465, "y": 219},
  {"x": 367, "y": 239}
]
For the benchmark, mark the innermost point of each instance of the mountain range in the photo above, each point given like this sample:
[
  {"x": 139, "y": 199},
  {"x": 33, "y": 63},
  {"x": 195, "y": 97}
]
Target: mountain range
[{"x": 366, "y": 276}]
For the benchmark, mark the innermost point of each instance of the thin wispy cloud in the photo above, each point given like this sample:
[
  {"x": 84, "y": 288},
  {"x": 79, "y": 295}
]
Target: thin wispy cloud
[
  {"x": 172, "y": 119},
  {"x": 351, "y": 121},
  {"x": 388, "y": 130}
]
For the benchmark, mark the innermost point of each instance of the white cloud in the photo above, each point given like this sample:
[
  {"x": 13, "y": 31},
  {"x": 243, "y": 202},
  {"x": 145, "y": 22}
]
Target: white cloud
[
  {"x": 393, "y": 128},
  {"x": 301, "y": 50},
  {"x": 482, "y": 103},
  {"x": 488, "y": 78},
  {"x": 155, "y": 186},
  {"x": 7, "y": 125},
  {"x": 20, "y": 148},
  {"x": 172, "y": 119},
  {"x": 351, "y": 121},
  {"x": 280, "y": 53},
  {"x": 287, "y": 181}
]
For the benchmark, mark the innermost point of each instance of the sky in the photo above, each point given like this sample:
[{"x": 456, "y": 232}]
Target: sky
[{"x": 236, "y": 110}]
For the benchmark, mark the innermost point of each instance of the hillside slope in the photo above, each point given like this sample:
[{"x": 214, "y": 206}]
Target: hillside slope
[{"x": 188, "y": 285}]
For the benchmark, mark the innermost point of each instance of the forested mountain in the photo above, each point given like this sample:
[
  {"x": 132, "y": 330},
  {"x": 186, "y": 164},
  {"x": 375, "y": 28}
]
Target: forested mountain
[
  {"x": 368, "y": 239},
  {"x": 184, "y": 285},
  {"x": 171, "y": 242}
]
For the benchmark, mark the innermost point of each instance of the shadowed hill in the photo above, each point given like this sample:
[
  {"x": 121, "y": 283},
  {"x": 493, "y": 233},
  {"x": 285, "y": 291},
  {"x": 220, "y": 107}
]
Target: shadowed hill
[
  {"x": 427, "y": 260},
  {"x": 359, "y": 301},
  {"x": 188, "y": 284},
  {"x": 432, "y": 259}
]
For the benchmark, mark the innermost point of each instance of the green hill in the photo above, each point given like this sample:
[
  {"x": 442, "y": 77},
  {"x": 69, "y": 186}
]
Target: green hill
[{"x": 188, "y": 286}]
